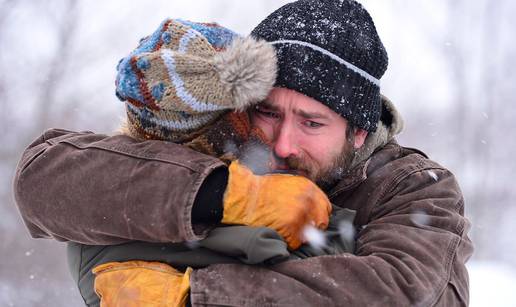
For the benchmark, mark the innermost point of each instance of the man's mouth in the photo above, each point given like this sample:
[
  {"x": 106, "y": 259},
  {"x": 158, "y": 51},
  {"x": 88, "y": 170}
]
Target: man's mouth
[
  {"x": 285, "y": 169},
  {"x": 291, "y": 166},
  {"x": 289, "y": 171}
]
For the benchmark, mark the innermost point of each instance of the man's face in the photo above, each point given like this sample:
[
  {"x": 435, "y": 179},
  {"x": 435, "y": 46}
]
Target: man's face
[{"x": 307, "y": 137}]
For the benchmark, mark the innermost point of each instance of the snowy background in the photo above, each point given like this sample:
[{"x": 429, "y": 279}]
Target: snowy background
[{"x": 451, "y": 74}]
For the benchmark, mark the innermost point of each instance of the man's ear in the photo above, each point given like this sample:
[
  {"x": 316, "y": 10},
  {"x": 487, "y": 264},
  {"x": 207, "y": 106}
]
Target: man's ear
[{"x": 360, "y": 136}]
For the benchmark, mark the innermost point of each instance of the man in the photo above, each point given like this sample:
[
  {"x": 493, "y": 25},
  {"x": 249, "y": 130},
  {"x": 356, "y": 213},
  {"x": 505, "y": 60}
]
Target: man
[{"x": 325, "y": 120}]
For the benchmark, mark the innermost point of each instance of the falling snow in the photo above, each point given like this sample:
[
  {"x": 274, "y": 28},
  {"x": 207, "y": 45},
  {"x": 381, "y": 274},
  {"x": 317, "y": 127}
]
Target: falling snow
[
  {"x": 433, "y": 175},
  {"x": 347, "y": 230},
  {"x": 420, "y": 218},
  {"x": 315, "y": 237}
]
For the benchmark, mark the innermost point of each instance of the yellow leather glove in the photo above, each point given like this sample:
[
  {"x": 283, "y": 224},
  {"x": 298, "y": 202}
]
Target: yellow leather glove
[
  {"x": 283, "y": 202},
  {"x": 141, "y": 283}
]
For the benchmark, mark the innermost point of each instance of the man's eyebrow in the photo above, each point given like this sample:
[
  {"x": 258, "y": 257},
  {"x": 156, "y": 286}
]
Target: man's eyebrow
[
  {"x": 305, "y": 114},
  {"x": 313, "y": 114}
]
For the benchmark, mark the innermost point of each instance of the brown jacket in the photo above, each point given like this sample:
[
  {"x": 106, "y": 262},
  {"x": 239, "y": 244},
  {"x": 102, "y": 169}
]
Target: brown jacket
[{"x": 411, "y": 247}]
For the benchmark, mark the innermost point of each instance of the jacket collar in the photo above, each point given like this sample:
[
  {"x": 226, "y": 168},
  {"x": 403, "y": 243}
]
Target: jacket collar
[{"x": 390, "y": 124}]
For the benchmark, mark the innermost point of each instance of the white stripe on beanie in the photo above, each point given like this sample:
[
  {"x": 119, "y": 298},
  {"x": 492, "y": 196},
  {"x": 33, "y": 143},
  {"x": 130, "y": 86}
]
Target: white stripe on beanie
[
  {"x": 354, "y": 68},
  {"x": 185, "y": 40},
  {"x": 198, "y": 106}
]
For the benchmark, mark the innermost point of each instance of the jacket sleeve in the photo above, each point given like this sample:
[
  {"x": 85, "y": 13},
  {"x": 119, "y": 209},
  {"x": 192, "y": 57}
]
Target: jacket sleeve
[
  {"x": 98, "y": 189},
  {"x": 412, "y": 252}
]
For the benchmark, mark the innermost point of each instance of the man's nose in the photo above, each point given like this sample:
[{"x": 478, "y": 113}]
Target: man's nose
[{"x": 285, "y": 142}]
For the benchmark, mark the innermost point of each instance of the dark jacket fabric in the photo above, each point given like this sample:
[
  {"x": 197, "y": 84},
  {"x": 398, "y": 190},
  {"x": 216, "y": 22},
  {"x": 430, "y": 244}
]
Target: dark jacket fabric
[{"x": 411, "y": 245}]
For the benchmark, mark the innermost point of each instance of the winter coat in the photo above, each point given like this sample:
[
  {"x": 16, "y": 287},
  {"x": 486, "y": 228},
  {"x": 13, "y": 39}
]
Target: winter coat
[{"x": 411, "y": 246}]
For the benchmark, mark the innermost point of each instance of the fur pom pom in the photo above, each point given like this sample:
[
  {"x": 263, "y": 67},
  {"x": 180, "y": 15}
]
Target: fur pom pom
[{"x": 248, "y": 68}]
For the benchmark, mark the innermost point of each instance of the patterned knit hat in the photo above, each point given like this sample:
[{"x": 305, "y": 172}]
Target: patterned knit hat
[
  {"x": 186, "y": 75},
  {"x": 329, "y": 50}
]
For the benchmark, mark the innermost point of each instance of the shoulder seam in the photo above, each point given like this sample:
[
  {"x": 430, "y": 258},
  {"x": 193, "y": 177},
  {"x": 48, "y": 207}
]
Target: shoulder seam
[{"x": 404, "y": 174}]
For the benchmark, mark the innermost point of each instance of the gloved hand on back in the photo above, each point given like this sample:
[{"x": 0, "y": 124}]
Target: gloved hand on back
[{"x": 283, "y": 202}]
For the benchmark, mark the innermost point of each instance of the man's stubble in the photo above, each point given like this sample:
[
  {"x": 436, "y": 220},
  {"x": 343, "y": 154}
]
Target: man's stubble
[{"x": 326, "y": 176}]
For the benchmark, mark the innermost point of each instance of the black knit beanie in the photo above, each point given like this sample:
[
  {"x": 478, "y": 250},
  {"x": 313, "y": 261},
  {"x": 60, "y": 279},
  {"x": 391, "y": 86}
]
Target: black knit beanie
[{"x": 329, "y": 50}]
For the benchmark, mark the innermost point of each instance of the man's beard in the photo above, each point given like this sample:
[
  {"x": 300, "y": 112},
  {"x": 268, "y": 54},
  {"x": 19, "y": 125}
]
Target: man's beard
[{"x": 324, "y": 176}]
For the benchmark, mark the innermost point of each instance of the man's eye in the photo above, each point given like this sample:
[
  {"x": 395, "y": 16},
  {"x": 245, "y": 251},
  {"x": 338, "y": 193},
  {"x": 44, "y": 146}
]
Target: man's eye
[{"x": 312, "y": 124}]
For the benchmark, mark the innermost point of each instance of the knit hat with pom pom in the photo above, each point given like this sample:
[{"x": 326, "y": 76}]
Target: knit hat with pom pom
[{"x": 186, "y": 75}]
